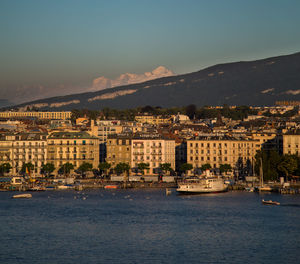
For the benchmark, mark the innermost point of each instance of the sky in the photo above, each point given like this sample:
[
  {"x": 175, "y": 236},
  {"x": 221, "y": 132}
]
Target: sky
[{"x": 56, "y": 47}]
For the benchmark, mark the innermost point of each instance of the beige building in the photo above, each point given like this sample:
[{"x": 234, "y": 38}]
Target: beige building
[
  {"x": 72, "y": 147},
  {"x": 118, "y": 149},
  {"x": 153, "y": 150},
  {"x": 217, "y": 150},
  {"x": 20, "y": 148},
  {"x": 39, "y": 115},
  {"x": 291, "y": 143},
  {"x": 153, "y": 119}
]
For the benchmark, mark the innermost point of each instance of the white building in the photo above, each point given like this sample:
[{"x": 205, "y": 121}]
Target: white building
[{"x": 154, "y": 151}]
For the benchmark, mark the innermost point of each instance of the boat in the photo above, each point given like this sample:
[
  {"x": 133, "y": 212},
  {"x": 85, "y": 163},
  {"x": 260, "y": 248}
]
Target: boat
[
  {"x": 111, "y": 187},
  {"x": 263, "y": 187},
  {"x": 270, "y": 202},
  {"x": 23, "y": 195},
  {"x": 206, "y": 183}
]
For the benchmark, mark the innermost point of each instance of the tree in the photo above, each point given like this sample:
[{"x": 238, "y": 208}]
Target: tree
[
  {"x": 84, "y": 167},
  {"x": 191, "y": 111},
  {"x": 143, "y": 166},
  {"x": 225, "y": 168},
  {"x": 104, "y": 166},
  {"x": 27, "y": 168},
  {"x": 47, "y": 168},
  {"x": 66, "y": 168},
  {"x": 165, "y": 167},
  {"x": 205, "y": 167},
  {"x": 121, "y": 168},
  {"x": 5, "y": 168},
  {"x": 288, "y": 165},
  {"x": 185, "y": 167}
]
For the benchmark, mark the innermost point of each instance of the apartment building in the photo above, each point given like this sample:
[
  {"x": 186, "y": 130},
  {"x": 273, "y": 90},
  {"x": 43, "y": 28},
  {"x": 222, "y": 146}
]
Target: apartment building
[
  {"x": 119, "y": 149},
  {"x": 39, "y": 115},
  {"x": 153, "y": 119},
  {"x": 291, "y": 142},
  {"x": 152, "y": 149},
  {"x": 20, "y": 148},
  {"x": 216, "y": 150},
  {"x": 72, "y": 147}
]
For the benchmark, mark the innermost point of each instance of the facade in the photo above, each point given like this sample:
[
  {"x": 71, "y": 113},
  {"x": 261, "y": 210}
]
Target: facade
[
  {"x": 153, "y": 120},
  {"x": 20, "y": 148},
  {"x": 39, "y": 115},
  {"x": 119, "y": 149},
  {"x": 72, "y": 147},
  {"x": 153, "y": 150},
  {"x": 291, "y": 143},
  {"x": 217, "y": 150}
]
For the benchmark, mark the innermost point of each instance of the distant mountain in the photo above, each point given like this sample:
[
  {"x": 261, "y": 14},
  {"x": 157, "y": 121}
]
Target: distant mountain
[
  {"x": 4, "y": 102},
  {"x": 260, "y": 82},
  {"x": 102, "y": 83}
]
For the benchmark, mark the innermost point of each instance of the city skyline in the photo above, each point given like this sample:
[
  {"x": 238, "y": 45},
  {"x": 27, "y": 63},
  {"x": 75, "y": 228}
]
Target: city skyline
[{"x": 58, "y": 47}]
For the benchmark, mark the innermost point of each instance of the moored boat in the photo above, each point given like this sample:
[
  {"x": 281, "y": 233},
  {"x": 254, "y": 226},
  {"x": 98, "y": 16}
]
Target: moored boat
[
  {"x": 111, "y": 187},
  {"x": 205, "y": 184},
  {"x": 22, "y": 195}
]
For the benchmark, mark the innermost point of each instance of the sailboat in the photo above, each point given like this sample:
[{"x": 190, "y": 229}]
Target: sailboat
[{"x": 262, "y": 187}]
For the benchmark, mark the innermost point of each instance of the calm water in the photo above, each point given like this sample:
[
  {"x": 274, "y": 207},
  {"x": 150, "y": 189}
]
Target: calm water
[{"x": 146, "y": 226}]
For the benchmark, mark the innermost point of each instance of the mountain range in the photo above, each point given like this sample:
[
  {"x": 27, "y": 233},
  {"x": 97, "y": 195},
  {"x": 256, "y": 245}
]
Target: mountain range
[{"x": 259, "y": 82}]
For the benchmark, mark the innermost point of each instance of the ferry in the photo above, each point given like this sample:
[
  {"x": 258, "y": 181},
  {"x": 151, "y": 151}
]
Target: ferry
[{"x": 203, "y": 184}]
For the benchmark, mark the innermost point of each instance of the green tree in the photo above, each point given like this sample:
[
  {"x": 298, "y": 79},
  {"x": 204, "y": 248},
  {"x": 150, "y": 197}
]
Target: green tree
[
  {"x": 121, "y": 168},
  {"x": 185, "y": 167},
  {"x": 205, "y": 167},
  {"x": 27, "y": 168},
  {"x": 225, "y": 168},
  {"x": 84, "y": 167},
  {"x": 66, "y": 168},
  {"x": 142, "y": 167},
  {"x": 165, "y": 167},
  {"x": 5, "y": 168},
  {"x": 47, "y": 169},
  {"x": 104, "y": 167},
  {"x": 288, "y": 165}
]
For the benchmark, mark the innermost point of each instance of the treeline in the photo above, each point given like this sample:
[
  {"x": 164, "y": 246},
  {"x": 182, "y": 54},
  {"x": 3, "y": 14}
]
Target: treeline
[
  {"x": 276, "y": 165},
  {"x": 192, "y": 111}
]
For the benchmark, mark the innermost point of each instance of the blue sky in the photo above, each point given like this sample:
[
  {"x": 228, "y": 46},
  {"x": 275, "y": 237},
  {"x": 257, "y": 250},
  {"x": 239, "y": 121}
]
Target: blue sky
[{"x": 68, "y": 43}]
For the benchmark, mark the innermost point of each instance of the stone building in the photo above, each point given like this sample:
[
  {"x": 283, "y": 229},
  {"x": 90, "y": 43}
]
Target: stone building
[
  {"x": 72, "y": 147},
  {"x": 217, "y": 150},
  {"x": 152, "y": 149}
]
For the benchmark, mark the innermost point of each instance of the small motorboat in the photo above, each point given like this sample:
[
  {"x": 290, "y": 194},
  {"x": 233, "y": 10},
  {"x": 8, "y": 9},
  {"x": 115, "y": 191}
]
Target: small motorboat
[
  {"x": 23, "y": 195},
  {"x": 270, "y": 202},
  {"x": 111, "y": 187}
]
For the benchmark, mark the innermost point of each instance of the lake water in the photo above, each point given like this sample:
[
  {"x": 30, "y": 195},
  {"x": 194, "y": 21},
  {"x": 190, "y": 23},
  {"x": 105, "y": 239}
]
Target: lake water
[{"x": 146, "y": 226}]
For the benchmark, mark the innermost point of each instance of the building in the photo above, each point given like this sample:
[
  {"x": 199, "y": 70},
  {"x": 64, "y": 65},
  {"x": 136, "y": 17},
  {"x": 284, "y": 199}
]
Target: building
[
  {"x": 291, "y": 142},
  {"x": 20, "y": 148},
  {"x": 219, "y": 149},
  {"x": 102, "y": 130},
  {"x": 154, "y": 150},
  {"x": 119, "y": 149},
  {"x": 72, "y": 147},
  {"x": 153, "y": 119},
  {"x": 39, "y": 115}
]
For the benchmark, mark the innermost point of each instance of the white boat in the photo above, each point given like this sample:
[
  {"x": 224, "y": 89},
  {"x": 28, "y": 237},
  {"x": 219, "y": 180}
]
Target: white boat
[
  {"x": 270, "y": 202},
  {"x": 204, "y": 184},
  {"x": 23, "y": 195}
]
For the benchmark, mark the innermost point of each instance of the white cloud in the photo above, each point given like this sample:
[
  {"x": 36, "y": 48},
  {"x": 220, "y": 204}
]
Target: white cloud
[{"x": 267, "y": 90}]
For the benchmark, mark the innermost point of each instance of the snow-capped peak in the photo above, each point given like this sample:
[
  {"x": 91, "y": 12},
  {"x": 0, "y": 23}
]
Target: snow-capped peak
[{"x": 102, "y": 83}]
